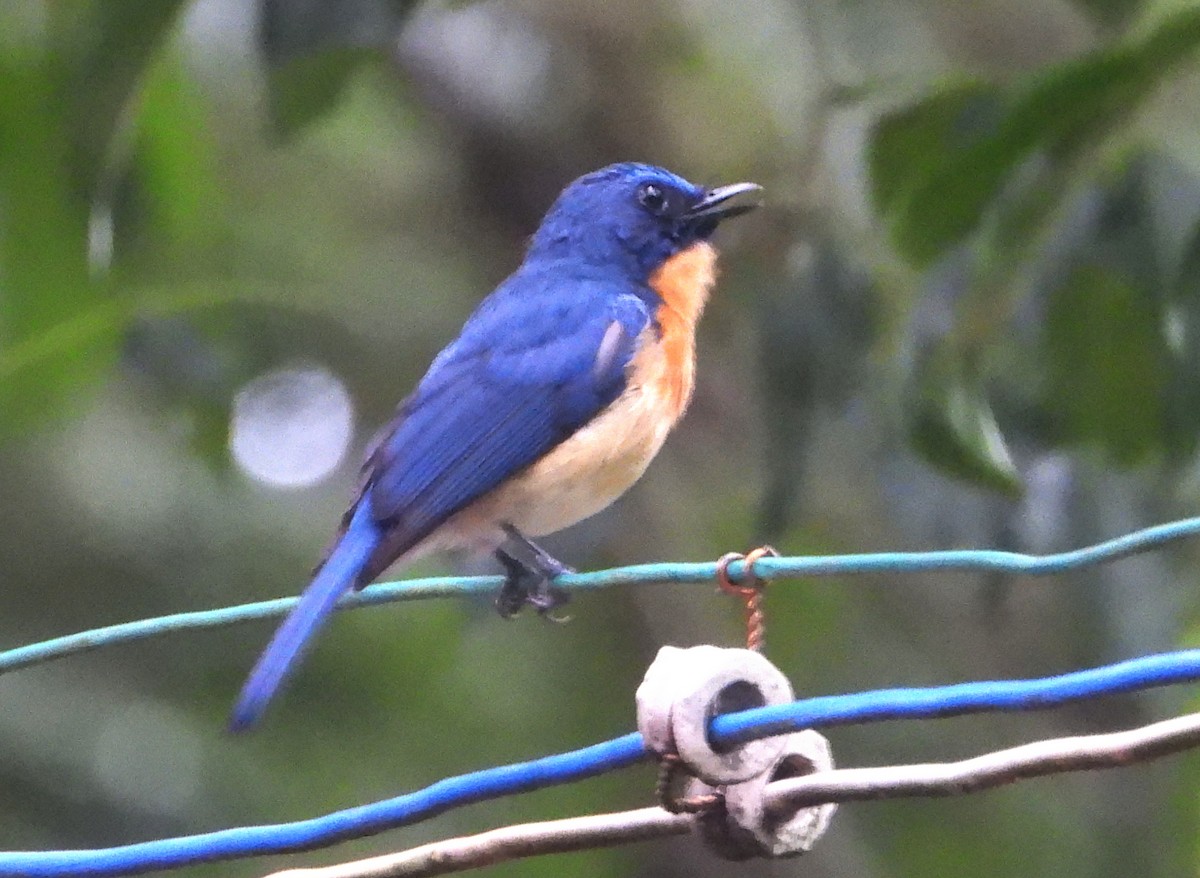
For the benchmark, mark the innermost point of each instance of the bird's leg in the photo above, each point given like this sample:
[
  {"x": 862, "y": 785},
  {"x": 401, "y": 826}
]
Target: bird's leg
[
  {"x": 513, "y": 594},
  {"x": 528, "y": 573},
  {"x": 541, "y": 560}
]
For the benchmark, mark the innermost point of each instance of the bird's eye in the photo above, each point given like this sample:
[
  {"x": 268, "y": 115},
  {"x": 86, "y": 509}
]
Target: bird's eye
[{"x": 652, "y": 198}]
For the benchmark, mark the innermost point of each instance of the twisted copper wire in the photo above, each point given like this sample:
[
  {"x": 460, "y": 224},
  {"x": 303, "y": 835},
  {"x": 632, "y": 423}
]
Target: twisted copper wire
[{"x": 750, "y": 591}]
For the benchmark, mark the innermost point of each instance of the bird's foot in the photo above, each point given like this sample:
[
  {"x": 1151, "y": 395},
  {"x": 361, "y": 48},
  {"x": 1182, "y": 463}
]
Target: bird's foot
[{"x": 529, "y": 572}]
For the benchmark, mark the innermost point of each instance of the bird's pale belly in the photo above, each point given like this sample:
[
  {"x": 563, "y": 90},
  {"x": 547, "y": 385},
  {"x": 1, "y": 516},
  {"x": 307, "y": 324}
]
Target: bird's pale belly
[
  {"x": 586, "y": 472},
  {"x": 590, "y": 470}
]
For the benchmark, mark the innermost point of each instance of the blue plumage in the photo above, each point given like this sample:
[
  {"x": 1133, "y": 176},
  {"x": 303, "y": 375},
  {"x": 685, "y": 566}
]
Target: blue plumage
[
  {"x": 498, "y": 400},
  {"x": 546, "y": 354},
  {"x": 357, "y": 542}
]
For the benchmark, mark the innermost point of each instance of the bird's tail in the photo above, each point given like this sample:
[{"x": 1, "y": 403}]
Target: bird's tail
[{"x": 337, "y": 575}]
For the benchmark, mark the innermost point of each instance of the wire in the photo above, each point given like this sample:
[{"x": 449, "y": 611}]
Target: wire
[
  {"x": 782, "y": 797},
  {"x": 729, "y": 729},
  {"x": 1038, "y": 759},
  {"x": 509, "y": 843},
  {"x": 562, "y": 768},
  {"x": 1146, "y": 672},
  {"x": 331, "y": 828},
  {"x": 977, "y": 560}
]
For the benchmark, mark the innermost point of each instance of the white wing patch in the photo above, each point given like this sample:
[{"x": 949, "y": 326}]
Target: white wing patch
[{"x": 609, "y": 345}]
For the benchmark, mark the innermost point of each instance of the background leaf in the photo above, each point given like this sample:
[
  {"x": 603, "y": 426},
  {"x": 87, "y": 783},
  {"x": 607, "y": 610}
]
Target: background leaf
[
  {"x": 951, "y": 425},
  {"x": 1062, "y": 112},
  {"x": 1106, "y": 370},
  {"x": 313, "y": 49},
  {"x": 43, "y": 256}
]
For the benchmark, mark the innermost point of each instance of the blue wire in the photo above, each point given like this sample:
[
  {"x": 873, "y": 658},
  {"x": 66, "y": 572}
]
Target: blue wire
[
  {"x": 886, "y": 704},
  {"x": 1146, "y": 672},
  {"x": 356, "y": 822},
  {"x": 767, "y": 568}
]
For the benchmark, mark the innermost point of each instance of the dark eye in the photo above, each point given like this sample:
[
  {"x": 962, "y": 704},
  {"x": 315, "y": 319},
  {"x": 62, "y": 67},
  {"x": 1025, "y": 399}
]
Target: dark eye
[{"x": 652, "y": 198}]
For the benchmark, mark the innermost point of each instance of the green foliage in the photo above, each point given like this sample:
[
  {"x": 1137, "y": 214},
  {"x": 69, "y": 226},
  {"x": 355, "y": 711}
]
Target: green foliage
[
  {"x": 305, "y": 89},
  {"x": 952, "y": 425},
  {"x": 175, "y": 160},
  {"x": 52, "y": 341},
  {"x": 314, "y": 49},
  {"x": 998, "y": 174},
  {"x": 1106, "y": 371},
  {"x": 937, "y": 167},
  {"x": 96, "y": 56},
  {"x": 62, "y": 107},
  {"x": 1180, "y": 313}
]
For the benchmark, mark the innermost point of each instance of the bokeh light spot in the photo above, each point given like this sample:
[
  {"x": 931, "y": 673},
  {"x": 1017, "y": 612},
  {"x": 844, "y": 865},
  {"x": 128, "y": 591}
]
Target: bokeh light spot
[{"x": 291, "y": 427}]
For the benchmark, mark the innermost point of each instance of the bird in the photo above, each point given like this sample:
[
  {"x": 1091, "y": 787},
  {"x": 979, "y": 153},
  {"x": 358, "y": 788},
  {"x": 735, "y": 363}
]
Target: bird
[{"x": 557, "y": 393}]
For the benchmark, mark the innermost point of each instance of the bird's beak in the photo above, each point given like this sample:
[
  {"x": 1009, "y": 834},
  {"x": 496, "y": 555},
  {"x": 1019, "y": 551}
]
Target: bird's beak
[{"x": 715, "y": 203}]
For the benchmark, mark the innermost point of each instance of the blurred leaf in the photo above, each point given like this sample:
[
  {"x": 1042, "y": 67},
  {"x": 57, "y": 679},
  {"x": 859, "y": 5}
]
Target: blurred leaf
[
  {"x": 952, "y": 426},
  {"x": 908, "y": 146},
  {"x": 193, "y": 369},
  {"x": 105, "y": 48},
  {"x": 1116, "y": 339},
  {"x": 934, "y": 188},
  {"x": 61, "y": 328},
  {"x": 175, "y": 158},
  {"x": 306, "y": 88},
  {"x": 1105, "y": 365},
  {"x": 1110, "y": 12},
  {"x": 314, "y": 47},
  {"x": 174, "y": 221},
  {"x": 44, "y": 279},
  {"x": 291, "y": 28}
]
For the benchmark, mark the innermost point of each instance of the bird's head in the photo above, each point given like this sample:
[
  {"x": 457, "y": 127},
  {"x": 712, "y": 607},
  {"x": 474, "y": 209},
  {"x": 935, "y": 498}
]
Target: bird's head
[{"x": 634, "y": 217}]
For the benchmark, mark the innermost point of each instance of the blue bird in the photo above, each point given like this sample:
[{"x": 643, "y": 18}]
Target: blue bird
[{"x": 548, "y": 406}]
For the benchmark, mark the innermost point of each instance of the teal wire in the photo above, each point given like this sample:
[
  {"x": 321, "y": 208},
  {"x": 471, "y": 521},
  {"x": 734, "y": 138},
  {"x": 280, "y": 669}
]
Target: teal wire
[{"x": 961, "y": 560}]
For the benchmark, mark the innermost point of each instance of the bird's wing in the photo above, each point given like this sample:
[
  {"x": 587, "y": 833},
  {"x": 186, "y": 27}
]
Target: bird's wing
[{"x": 523, "y": 377}]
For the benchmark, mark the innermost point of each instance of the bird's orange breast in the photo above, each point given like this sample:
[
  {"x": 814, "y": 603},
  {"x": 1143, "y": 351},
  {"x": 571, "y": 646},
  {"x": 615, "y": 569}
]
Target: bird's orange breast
[{"x": 683, "y": 283}]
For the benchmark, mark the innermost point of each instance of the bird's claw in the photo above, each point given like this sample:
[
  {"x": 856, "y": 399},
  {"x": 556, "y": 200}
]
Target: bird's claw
[
  {"x": 529, "y": 580},
  {"x": 547, "y": 599},
  {"x": 523, "y": 587}
]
